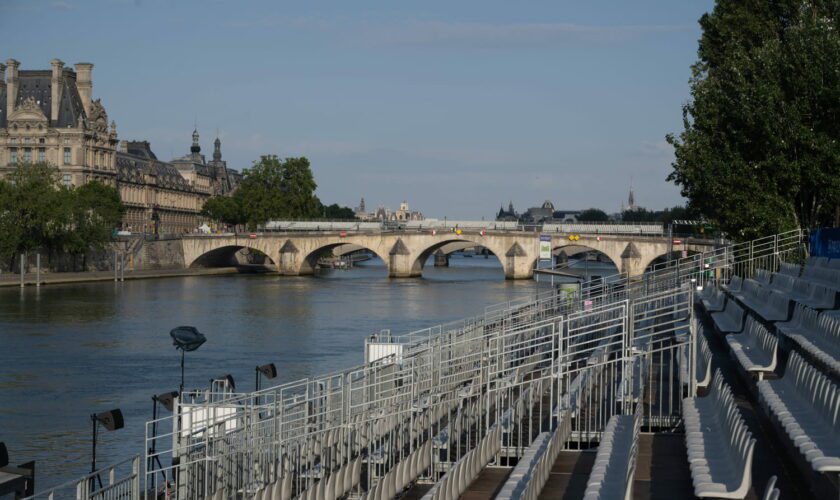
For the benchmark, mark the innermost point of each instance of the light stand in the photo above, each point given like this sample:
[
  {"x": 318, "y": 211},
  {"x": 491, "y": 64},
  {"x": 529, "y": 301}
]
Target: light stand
[
  {"x": 111, "y": 421},
  {"x": 166, "y": 399},
  {"x": 269, "y": 371},
  {"x": 186, "y": 338}
]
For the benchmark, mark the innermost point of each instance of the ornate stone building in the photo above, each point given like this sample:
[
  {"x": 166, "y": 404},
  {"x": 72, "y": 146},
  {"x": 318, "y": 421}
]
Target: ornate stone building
[{"x": 49, "y": 115}]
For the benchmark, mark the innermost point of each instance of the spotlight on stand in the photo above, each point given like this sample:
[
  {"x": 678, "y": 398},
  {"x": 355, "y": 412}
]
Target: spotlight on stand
[
  {"x": 111, "y": 421},
  {"x": 268, "y": 371},
  {"x": 167, "y": 400},
  {"x": 186, "y": 338}
]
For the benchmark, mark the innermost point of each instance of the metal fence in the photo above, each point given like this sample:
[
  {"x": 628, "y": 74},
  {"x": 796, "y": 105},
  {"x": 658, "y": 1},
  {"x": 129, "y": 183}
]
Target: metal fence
[
  {"x": 120, "y": 481},
  {"x": 517, "y": 368},
  {"x": 424, "y": 400}
]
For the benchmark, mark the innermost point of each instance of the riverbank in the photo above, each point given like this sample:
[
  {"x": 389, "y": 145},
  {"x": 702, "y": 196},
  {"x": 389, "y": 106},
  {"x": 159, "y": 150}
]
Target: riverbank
[{"x": 29, "y": 279}]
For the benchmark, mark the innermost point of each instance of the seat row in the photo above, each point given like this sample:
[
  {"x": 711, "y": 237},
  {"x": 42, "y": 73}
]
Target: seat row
[
  {"x": 704, "y": 361},
  {"x": 465, "y": 470},
  {"x": 720, "y": 447},
  {"x": 806, "y": 404},
  {"x": 755, "y": 349},
  {"x": 804, "y": 292},
  {"x": 528, "y": 478},
  {"x": 817, "y": 334},
  {"x": 615, "y": 463},
  {"x": 763, "y": 301}
]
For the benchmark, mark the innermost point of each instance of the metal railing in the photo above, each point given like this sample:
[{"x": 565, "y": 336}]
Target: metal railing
[
  {"x": 120, "y": 481},
  {"x": 427, "y": 397}
]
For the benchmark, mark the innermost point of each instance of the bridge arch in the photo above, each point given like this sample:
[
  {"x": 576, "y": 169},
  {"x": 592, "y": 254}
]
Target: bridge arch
[
  {"x": 309, "y": 256},
  {"x": 575, "y": 248},
  {"x": 225, "y": 256},
  {"x": 453, "y": 245}
]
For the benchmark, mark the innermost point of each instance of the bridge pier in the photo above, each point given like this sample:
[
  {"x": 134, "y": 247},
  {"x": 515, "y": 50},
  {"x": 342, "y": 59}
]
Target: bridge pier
[{"x": 441, "y": 259}]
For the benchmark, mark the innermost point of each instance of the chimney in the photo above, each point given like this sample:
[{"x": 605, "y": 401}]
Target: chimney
[
  {"x": 56, "y": 88},
  {"x": 85, "y": 84},
  {"x": 11, "y": 85}
]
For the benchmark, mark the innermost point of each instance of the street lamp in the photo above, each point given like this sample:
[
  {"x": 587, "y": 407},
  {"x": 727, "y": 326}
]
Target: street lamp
[
  {"x": 268, "y": 371},
  {"x": 186, "y": 338}
]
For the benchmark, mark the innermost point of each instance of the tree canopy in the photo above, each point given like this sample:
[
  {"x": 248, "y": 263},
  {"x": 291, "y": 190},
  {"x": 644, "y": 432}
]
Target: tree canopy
[
  {"x": 593, "y": 215},
  {"x": 277, "y": 189},
  {"x": 273, "y": 189},
  {"x": 759, "y": 152},
  {"x": 37, "y": 213}
]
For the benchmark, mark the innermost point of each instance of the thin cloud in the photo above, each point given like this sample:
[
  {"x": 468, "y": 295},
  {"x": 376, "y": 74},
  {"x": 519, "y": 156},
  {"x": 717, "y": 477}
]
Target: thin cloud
[
  {"x": 463, "y": 34},
  {"x": 487, "y": 35},
  {"x": 61, "y": 5}
]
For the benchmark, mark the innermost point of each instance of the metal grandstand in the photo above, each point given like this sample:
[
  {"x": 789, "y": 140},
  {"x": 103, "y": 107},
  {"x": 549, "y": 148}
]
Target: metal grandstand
[{"x": 432, "y": 408}]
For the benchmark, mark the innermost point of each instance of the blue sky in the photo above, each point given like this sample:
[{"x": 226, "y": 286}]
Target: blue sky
[{"x": 455, "y": 107}]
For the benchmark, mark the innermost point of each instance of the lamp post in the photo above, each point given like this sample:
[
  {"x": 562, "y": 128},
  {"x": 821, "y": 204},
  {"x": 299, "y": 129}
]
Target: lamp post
[{"x": 186, "y": 338}]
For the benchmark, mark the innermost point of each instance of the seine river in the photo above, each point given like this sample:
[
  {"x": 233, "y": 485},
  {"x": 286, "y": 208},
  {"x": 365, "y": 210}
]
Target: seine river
[{"x": 72, "y": 350}]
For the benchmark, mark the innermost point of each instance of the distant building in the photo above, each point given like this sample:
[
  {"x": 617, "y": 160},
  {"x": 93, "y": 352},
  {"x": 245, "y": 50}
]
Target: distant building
[
  {"x": 51, "y": 116},
  {"x": 508, "y": 215},
  {"x": 544, "y": 214},
  {"x": 155, "y": 194},
  {"x": 385, "y": 214}
]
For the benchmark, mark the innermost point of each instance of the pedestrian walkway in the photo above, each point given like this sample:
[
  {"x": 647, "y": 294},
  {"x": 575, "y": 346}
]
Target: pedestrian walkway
[{"x": 54, "y": 278}]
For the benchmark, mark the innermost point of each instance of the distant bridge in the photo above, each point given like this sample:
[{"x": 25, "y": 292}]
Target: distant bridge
[{"x": 406, "y": 252}]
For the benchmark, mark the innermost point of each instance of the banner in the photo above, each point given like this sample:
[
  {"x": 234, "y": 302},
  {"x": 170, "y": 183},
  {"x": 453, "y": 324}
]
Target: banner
[
  {"x": 545, "y": 247},
  {"x": 825, "y": 242}
]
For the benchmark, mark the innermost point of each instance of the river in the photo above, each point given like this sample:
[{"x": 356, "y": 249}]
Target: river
[{"x": 71, "y": 350}]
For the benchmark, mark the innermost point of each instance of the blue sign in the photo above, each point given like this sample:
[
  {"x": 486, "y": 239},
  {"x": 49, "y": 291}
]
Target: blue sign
[{"x": 825, "y": 242}]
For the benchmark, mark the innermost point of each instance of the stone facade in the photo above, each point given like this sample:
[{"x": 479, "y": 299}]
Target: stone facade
[{"x": 50, "y": 115}]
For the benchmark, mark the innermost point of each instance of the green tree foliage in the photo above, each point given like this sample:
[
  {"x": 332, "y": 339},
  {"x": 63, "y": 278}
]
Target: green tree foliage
[
  {"x": 225, "y": 209},
  {"x": 593, "y": 215},
  {"x": 759, "y": 152},
  {"x": 278, "y": 189},
  {"x": 336, "y": 212},
  {"x": 37, "y": 213},
  {"x": 96, "y": 210}
]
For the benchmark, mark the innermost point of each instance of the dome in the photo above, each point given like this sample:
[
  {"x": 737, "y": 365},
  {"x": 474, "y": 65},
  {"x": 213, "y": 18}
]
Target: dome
[{"x": 547, "y": 204}]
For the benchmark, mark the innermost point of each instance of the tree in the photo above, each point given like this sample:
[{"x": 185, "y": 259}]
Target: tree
[
  {"x": 96, "y": 211},
  {"x": 639, "y": 215},
  {"x": 759, "y": 152},
  {"x": 35, "y": 209},
  {"x": 593, "y": 215},
  {"x": 37, "y": 213},
  {"x": 278, "y": 189},
  {"x": 336, "y": 212},
  {"x": 225, "y": 209}
]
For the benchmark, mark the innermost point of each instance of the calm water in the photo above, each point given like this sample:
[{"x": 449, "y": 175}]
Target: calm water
[{"x": 69, "y": 351}]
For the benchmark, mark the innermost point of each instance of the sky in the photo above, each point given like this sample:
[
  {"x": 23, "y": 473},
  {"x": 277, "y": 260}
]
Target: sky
[{"x": 454, "y": 107}]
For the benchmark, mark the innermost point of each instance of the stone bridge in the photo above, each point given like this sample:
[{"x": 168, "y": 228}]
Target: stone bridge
[{"x": 406, "y": 253}]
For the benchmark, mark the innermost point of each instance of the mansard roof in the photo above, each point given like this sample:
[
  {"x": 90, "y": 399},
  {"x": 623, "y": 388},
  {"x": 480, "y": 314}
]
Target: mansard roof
[
  {"x": 132, "y": 168},
  {"x": 37, "y": 84}
]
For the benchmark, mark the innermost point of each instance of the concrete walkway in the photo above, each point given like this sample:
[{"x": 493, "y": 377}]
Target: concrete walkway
[{"x": 13, "y": 280}]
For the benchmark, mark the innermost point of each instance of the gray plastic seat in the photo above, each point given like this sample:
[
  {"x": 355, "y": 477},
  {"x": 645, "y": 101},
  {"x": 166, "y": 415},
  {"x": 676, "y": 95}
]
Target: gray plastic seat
[
  {"x": 755, "y": 349},
  {"x": 806, "y": 404}
]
